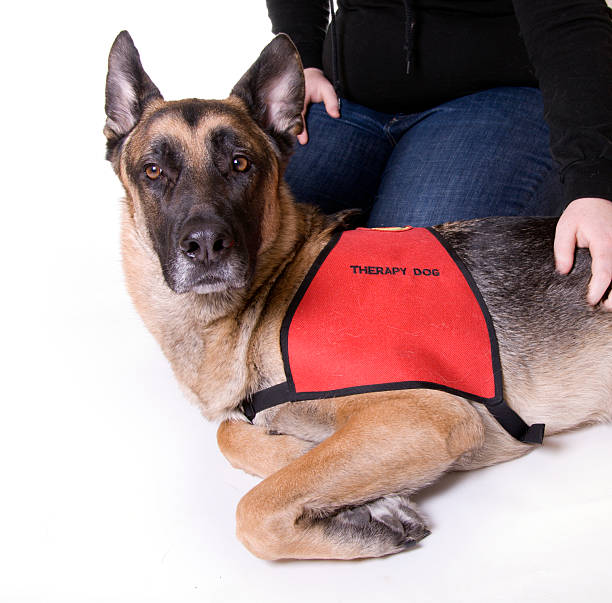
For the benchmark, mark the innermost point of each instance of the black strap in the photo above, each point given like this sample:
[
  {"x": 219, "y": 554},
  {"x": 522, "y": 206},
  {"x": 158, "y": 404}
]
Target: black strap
[
  {"x": 514, "y": 425},
  {"x": 266, "y": 398},
  {"x": 505, "y": 416}
]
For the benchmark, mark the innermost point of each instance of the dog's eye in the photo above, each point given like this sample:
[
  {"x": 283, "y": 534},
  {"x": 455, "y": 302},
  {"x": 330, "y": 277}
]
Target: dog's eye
[
  {"x": 153, "y": 171},
  {"x": 240, "y": 163}
]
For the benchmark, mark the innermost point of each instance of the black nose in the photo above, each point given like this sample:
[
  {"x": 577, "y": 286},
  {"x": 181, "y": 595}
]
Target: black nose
[{"x": 206, "y": 242}]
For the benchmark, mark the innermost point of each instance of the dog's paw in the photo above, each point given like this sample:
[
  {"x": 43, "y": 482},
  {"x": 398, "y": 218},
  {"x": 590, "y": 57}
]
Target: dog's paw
[{"x": 387, "y": 525}]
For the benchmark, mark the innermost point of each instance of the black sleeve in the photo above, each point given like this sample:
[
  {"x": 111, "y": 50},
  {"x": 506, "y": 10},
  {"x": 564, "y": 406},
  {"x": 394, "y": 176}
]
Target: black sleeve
[
  {"x": 305, "y": 21},
  {"x": 570, "y": 46}
]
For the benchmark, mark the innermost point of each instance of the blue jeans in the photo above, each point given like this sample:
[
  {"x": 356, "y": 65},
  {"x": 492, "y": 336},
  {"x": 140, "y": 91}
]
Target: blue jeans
[{"x": 486, "y": 154}]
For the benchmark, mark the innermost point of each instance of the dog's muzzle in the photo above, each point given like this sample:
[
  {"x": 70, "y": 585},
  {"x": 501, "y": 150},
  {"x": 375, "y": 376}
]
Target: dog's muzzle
[{"x": 208, "y": 257}]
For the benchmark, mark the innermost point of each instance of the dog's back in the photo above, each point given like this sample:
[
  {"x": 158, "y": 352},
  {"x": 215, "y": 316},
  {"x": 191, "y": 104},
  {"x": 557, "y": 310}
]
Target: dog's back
[{"x": 555, "y": 348}]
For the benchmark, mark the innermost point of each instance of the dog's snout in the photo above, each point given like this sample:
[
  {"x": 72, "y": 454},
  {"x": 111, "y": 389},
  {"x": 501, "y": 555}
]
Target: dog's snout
[{"x": 205, "y": 243}]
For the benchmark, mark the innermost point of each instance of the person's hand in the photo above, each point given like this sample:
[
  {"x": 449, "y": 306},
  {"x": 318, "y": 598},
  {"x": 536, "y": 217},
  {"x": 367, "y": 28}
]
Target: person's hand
[
  {"x": 318, "y": 89},
  {"x": 587, "y": 222}
]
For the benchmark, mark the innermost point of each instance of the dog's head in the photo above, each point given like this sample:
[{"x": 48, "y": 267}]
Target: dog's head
[{"x": 201, "y": 175}]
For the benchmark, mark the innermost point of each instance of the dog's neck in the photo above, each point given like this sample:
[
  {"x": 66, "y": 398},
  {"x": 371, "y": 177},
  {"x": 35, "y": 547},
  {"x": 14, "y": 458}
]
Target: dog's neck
[
  {"x": 217, "y": 331},
  {"x": 300, "y": 227}
]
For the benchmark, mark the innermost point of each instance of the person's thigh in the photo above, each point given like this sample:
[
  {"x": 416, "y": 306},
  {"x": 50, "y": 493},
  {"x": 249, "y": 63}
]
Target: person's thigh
[
  {"x": 341, "y": 165},
  {"x": 486, "y": 154}
]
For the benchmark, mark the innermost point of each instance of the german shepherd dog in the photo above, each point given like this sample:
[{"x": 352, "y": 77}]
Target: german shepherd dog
[{"x": 214, "y": 250}]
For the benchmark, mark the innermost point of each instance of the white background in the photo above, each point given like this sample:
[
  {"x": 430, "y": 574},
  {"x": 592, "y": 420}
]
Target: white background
[{"x": 111, "y": 484}]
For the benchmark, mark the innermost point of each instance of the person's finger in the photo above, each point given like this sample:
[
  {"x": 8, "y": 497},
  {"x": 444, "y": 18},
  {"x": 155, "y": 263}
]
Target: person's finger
[
  {"x": 564, "y": 246},
  {"x": 330, "y": 100},
  {"x": 601, "y": 268},
  {"x": 303, "y": 135}
]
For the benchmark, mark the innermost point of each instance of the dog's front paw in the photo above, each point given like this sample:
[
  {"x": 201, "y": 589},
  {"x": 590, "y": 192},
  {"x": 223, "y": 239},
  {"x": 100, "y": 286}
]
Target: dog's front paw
[
  {"x": 400, "y": 517},
  {"x": 387, "y": 525}
]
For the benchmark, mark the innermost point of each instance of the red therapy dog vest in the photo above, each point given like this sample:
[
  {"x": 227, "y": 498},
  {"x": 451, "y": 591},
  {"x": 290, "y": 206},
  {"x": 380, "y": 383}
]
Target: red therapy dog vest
[{"x": 389, "y": 309}]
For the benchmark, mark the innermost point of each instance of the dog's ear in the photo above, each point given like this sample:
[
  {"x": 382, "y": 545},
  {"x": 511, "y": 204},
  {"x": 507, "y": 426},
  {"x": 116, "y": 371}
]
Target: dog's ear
[
  {"x": 273, "y": 90},
  {"x": 128, "y": 91}
]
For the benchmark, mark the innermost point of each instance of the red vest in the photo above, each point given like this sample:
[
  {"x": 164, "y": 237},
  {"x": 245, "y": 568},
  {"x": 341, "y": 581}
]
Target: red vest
[{"x": 390, "y": 309}]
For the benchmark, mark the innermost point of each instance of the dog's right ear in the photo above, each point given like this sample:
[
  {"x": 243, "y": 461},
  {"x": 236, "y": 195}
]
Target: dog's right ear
[
  {"x": 273, "y": 91},
  {"x": 128, "y": 91}
]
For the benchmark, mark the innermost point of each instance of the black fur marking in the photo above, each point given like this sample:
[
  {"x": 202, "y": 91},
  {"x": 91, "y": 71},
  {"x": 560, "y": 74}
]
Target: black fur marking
[
  {"x": 223, "y": 143},
  {"x": 113, "y": 148},
  {"x": 225, "y": 140},
  {"x": 163, "y": 151},
  {"x": 512, "y": 261},
  {"x": 192, "y": 111}
]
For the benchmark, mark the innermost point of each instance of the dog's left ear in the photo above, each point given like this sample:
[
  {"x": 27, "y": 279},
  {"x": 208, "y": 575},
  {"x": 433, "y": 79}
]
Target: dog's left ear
[
  {"x": 128, "y": 91},
  {"x": 273, "y": 90}
]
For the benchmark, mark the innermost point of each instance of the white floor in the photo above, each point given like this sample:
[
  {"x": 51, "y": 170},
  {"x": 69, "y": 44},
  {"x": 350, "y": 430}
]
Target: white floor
[{"x": 111, "y": 485}]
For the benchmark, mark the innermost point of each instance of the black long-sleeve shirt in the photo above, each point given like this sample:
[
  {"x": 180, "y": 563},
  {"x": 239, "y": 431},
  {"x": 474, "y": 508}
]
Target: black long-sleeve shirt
[{"x": 463, "y": 46}]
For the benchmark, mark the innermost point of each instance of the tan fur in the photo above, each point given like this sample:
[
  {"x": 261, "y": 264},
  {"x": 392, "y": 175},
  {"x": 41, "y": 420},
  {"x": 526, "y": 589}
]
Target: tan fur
[{"x": 255, "y": 450}]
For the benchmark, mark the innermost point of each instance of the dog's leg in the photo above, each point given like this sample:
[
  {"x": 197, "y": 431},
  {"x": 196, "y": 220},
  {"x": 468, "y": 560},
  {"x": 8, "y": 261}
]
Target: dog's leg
[
  {"x": 254, "y": 450},
  {"x": 346, "y": 497}
]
